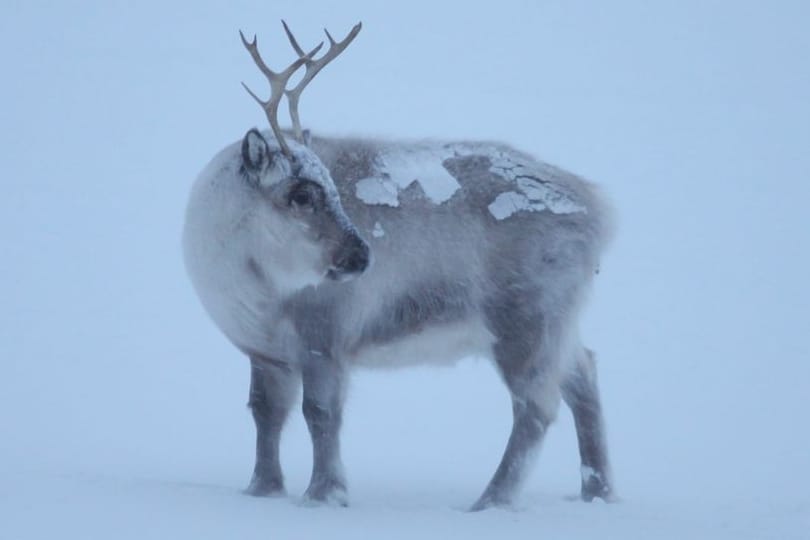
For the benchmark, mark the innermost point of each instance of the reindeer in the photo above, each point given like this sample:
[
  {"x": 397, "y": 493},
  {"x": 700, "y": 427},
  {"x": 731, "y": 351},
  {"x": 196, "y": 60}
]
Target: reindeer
[{"x": 315, "y": 255}]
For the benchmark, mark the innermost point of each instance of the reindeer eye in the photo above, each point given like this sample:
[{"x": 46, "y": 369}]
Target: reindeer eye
[
  {"x": 301, "y": 198},
  {"x": 303, "y": 195}
]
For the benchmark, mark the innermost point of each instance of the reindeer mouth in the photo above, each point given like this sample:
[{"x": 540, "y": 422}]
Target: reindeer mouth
[{"x": 339, "y": 275}]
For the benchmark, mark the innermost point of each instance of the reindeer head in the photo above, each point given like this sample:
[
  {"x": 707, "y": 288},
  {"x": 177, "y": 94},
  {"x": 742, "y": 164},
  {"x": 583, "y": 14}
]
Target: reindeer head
[
  {"x": 268, "y": 205},
  {"x": 291, "y": 177}
]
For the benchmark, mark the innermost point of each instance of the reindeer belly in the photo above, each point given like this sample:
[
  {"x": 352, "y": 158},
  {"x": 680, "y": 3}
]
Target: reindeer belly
[{"x": 437, "y": 344}]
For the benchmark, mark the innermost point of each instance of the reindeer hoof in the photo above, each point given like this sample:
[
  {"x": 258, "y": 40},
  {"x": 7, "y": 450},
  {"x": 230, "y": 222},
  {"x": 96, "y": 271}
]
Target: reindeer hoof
[
  {"x": 489, "y": 500},
  {"x": 260, "y": 487},
  {"x": 594, "y": 486},
  {"x": 326, "y": 492}
]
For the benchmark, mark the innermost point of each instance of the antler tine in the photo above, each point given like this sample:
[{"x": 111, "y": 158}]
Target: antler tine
[
  {"x": 292, "y": 39},
  {"x": 312, "y": 69},
  {"x": 278, "y": 84}
]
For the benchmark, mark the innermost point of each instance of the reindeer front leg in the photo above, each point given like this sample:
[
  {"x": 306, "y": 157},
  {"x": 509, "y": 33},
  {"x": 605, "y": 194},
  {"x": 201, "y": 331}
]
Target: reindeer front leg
[
  {"x": 273, "y": 387},
  {"x": 324, "y": 390}
]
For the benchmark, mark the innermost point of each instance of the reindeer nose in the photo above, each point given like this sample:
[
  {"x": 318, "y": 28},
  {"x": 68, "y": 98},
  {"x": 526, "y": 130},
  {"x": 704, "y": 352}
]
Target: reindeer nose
[{"x": 352, "y": 256}]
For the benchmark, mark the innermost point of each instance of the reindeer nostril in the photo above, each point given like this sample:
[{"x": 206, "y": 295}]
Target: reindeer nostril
[
  {"x": 357, "y": 262},
  {"x": 353, "y": 257},
  {"x": 357, "y": 259}
]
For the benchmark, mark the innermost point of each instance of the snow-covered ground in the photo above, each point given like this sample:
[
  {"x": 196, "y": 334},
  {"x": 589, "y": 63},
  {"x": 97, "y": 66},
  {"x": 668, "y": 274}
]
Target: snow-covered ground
[{"x": 122, "y": 408}]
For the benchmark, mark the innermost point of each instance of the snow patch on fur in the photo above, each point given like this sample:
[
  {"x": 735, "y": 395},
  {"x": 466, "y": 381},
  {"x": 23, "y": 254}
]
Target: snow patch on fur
[
  {"x": 377, "y": 190},
  {"x": 397, "y": 168},
  {"x": 533, "y": 193},
  {"x": 378, "y": 231}
]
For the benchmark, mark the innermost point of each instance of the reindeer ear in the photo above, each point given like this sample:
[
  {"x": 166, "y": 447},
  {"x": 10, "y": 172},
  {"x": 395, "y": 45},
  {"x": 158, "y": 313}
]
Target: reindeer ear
[{"x": 255, "y": 152}]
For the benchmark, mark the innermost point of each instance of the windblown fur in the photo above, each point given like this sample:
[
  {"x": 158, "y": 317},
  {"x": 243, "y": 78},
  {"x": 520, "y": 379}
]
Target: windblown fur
[{"x": 473, "y": 249}]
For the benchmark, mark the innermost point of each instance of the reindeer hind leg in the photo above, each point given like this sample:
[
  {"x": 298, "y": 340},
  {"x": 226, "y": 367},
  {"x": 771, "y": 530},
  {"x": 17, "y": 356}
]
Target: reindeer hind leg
[{"x": 581, "y": 393}]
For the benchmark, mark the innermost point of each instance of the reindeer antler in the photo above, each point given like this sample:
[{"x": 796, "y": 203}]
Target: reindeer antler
[
  {"x": 278, "y": 84},
  {"x": 313, "y": 67}
]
